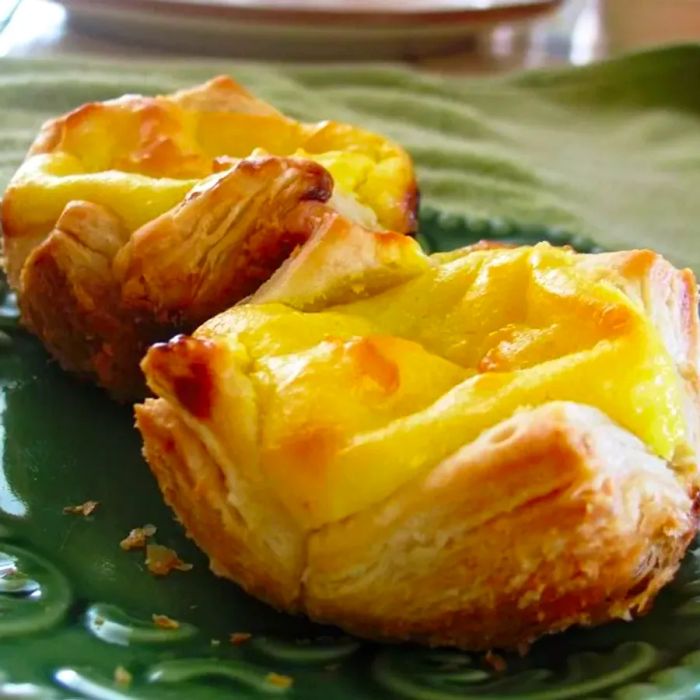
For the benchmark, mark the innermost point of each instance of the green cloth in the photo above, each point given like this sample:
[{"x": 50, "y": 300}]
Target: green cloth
[{"x": 610, "y": 151}]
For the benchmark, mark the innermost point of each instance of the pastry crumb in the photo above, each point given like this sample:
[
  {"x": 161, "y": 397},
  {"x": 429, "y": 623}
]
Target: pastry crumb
[
  {"x": 278, "y": 680},
  {"x": 238, "y": 638},
  {"x": 523, "y": 649},
  {"x": 495, "y": 661},
  {"x": 161, "y": 560},
  {"x": 122, "y": 676},
  {"x": 165, "y": 622},
  {"x": 138, "y": 537},
  {"x": 85, "y": 509}
]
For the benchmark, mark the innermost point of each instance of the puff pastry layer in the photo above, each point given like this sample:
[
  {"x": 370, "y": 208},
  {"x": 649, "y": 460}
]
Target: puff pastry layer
[
  {"x": 473, "y": 448},
  {"x": 134, "y": 218}
]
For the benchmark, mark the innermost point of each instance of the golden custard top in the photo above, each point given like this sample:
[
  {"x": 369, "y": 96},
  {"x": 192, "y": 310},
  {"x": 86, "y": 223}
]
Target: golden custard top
[
  {"x": 140, "y": 156},
  {"x": 341, "y": 405}
]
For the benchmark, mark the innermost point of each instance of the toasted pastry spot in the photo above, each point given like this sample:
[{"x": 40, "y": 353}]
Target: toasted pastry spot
[
  {"x": 372, "y": 364},
  {"x": 186, "y": 362}
]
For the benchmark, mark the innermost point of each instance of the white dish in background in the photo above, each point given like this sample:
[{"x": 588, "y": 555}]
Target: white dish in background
[{"x": 303, "y": 29}]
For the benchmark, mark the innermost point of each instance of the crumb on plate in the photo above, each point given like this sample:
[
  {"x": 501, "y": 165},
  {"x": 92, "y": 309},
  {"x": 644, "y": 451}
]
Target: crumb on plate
[
  {"x": 238, "y": 638},
  {"x": 138, "y": 537},
  {"x": 165, "y": 622},
  {"x": 278, "y": 680},
  {"x": 524, "y": 649},
  {"x": 122, "y": 676},
  {"x": 495, "y": 661},
  {"x": 87, "y": 508},
  {"x": 11, "y": 572},
  {"x": 161, "y": 560}
]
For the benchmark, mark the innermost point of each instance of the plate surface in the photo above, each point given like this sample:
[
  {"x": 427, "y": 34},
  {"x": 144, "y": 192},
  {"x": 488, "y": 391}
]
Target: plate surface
[
  {"x": 349, "y": 29},
  {"x": 74, "y": 607}
]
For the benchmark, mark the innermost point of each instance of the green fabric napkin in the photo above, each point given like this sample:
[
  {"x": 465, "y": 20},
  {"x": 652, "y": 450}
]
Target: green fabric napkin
[{"x": 610, "y": 151}]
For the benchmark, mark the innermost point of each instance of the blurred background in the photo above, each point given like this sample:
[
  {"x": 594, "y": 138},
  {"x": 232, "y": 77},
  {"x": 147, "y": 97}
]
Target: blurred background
[{"x": 453, "y": 36}]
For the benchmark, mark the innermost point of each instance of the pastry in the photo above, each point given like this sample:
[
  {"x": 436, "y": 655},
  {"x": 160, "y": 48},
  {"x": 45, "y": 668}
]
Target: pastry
[
  {"x": 139, "y": 217},
  {"x": 474, "y": 448}
]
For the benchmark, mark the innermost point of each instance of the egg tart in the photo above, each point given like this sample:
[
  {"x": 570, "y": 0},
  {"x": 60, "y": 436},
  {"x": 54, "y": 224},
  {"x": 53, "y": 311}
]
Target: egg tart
[
  {"x": 138, "y": 217},
  {"x": 474, "y": 448}
]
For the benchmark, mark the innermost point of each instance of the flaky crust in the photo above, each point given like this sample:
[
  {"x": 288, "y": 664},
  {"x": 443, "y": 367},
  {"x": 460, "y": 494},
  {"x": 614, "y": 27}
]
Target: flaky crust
[
  {"x": 69, "y": 299},
  {"x": 249, "y": 538},
  {"x": 552, "y": 517},
  {"x": 221, "y": 243}
]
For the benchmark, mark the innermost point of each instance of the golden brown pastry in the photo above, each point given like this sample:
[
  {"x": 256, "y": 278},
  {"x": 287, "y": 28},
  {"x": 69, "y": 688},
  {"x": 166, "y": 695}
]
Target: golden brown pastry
[
  {"x": 135, "y": 218},
  {"x": 473, "y": 448}
]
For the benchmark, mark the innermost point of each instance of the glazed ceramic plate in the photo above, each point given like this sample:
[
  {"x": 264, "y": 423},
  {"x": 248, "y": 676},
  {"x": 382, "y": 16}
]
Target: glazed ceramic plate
[
  {"x": 74, "y": 607},
  {"x": 348, "y": 29}
]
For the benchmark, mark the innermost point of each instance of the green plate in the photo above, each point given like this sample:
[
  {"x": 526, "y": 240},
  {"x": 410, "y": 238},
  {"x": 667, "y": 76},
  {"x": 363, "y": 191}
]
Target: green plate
[{"x": 74, "y": 607}]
